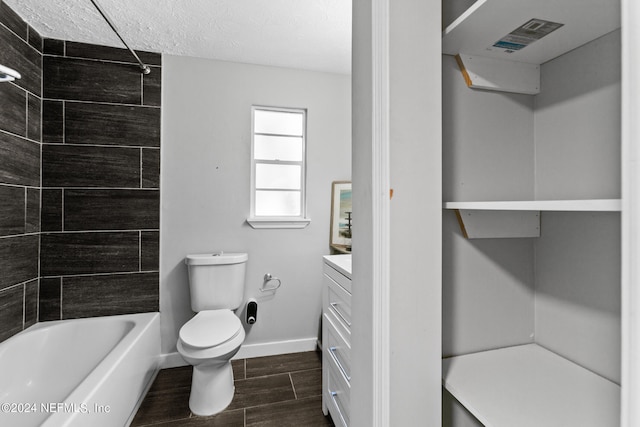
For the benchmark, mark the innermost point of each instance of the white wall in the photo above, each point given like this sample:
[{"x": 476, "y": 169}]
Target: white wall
[
  {"x": 363, "y": 343},
  {"x": 488, "y": 296},
  {"x": 397, "y": 254},
  {"x": 205, "y": 175},
  {"x": 564, "y": 287},
  {"x": 577, "y": 123},
  {"x": 415, "y": 211}
]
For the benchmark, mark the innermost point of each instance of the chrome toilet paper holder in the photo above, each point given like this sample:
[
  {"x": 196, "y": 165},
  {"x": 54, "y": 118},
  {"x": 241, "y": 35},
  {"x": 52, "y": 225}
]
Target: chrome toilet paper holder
[{"x": 267, "y": 284}]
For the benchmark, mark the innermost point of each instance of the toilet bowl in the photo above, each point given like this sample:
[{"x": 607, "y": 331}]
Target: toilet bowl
[
  {"x": 215, "y": 334},
  {"x": 208, "y": 342}
]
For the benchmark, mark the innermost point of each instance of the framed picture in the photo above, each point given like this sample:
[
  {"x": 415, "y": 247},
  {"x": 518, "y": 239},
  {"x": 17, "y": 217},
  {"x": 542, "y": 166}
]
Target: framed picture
[{"x": 341, "y": 216}]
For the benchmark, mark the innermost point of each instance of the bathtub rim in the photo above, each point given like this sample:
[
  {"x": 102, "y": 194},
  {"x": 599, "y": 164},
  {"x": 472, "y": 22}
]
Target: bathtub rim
[{"x": 91, "y": 385}]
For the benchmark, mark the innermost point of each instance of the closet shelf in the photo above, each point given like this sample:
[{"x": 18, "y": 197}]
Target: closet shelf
[
  {"x": 517, "y": 219},
  {"x": 500, "y": 44},
  {"x": 529, "y": 386},
  {"x": 487, "y": 22},
  {"x": 592, "y": 205}
]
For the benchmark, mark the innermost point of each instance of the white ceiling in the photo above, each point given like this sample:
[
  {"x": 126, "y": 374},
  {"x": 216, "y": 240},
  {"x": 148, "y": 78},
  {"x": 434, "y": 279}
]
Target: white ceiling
[{"x": 305, "y": 34}]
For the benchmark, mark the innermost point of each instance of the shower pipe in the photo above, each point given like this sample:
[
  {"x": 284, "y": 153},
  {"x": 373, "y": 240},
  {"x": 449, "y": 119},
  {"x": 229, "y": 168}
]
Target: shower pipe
[{"x": 144, "y": 68}]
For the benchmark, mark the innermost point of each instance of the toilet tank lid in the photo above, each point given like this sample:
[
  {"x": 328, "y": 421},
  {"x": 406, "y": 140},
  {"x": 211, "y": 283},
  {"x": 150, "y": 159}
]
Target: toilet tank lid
[{"x": 214, "y": 258}]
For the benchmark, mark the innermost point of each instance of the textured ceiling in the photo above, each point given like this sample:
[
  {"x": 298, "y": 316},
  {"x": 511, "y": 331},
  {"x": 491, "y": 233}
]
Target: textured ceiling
[{"x": 305, "y": 34}]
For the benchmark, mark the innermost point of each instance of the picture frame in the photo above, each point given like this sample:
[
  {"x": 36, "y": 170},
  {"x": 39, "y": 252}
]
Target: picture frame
[{"x": 341, "y": 216}]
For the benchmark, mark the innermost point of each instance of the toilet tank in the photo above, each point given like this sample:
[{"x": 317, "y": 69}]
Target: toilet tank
[{"x": 216, "y": 280}]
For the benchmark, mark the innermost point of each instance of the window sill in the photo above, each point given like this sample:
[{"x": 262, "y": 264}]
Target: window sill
[{"x": 278, "y": 222}]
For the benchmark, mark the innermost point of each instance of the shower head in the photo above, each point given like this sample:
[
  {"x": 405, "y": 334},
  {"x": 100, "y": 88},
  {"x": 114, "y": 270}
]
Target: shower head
[{"x": 7, "y": 74}]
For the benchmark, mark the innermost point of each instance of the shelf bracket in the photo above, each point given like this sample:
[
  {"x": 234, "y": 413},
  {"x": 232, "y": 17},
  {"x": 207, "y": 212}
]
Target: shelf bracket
[
  {"x": 482, "y": 224},
  {"x": 501, "y": 75}
]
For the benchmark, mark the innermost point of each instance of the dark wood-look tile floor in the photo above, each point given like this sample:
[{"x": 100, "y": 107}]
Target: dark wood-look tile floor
[{"x": 283, "y": 390}]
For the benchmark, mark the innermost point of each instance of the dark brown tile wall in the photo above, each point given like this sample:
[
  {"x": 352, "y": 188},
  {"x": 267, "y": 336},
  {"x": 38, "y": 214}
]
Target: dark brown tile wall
[
  {"x": 99, "y": 252},
  {"x": 79, "y": 180},
  {"x": 20, "y": 147}
]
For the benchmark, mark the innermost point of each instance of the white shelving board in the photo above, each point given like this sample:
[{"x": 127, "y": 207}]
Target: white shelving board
[
  {"x": 529, "y": 386},
  {"x": 593, "y": 205},
  {"x": 488, "y": 21}
]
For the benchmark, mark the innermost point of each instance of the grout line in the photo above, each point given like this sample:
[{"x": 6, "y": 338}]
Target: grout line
[
  {"x": 99, "y": 145},
  {"x": 19, "y": 136},
  {"x": 62, "y": 211},
  {"x": 26, "y": 208},
  {"x": 130, "y": 230},
  {"x": 41, "y": 52},
  {"x": 39, "y": 267},
  {"x": 11, "y": 236},
  {"x": 26, "y": 115},
  {"x": 64, "y": 123},
  {"x": 13, "y": 83},
  {"x": 58, "y": 187},
  {"x": 24, "y": 304},
  {"x": 84, "y": 58},
  {"x": 80, "y": 101},
  {"x": 38, "y": 297},
  {"x": 16, "y": 285},
  {"x": 21, "y": 39},
  {"x": 114, "y": 273},
  {"x": 61, "y": 288},
  {"x": 141, "y": 186},
  {"x": 5, "y": 184}
]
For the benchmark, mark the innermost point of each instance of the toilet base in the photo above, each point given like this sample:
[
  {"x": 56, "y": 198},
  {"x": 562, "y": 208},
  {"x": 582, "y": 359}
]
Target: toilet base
[{"x": 212, "y": 388}]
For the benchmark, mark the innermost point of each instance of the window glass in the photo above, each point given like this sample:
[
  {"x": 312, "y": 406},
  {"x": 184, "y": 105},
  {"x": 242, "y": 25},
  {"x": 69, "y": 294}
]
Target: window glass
[
  {"x": 278, "y": 122},
  {"x": 278, "y": 176},
  {"x": 278, "y": 163},
  {"x": 287, "y": 148},
  {"x": 277, "y": 203}
]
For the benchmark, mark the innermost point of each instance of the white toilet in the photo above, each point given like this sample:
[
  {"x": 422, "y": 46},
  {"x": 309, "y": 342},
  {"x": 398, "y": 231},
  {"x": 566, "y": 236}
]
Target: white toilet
[{"x": 215, "y": 334}]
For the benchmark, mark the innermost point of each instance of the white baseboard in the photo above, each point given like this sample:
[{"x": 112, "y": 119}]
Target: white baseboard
[
  {"x": 171, "y": 360},
  {"x": 249, "y": 351}
]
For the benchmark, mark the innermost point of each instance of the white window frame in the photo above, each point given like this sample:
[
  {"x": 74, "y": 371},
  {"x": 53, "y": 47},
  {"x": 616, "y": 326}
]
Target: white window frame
[{"x": 298, "y": 221}]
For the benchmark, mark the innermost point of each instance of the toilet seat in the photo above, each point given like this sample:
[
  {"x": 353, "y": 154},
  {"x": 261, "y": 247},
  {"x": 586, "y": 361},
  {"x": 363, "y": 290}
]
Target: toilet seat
[{"x": 210, "y": 328}]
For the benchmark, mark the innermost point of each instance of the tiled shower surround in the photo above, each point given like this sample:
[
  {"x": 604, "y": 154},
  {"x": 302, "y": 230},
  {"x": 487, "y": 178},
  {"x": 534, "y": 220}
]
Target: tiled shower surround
[
  {"x": 87, "y": 157},
  {"x": 19, "y": 174}
]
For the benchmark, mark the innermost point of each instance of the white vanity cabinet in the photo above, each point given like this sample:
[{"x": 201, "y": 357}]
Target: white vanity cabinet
[{"x": 336, "y": 338}]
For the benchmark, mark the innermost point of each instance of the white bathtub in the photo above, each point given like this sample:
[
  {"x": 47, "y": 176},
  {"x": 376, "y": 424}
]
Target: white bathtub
[{"x": 84, "y": 372}]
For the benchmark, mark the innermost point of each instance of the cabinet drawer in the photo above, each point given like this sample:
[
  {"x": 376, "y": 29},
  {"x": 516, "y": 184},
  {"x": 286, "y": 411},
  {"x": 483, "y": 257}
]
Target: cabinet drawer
[
  {"x": 338, "y": 398},
  {"x": 338, "y": 277},
  {"x": 338, "y": 350},
  {"x": 339, "y": 303}
]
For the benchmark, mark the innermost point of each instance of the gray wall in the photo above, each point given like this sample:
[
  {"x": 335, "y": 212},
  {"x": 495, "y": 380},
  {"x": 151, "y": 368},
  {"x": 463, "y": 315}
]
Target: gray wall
[{"x": 205, "y": 187}]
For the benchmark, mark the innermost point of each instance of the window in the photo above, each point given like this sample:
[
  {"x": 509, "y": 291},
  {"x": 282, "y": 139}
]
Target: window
[{"x": 278, "y": 168}]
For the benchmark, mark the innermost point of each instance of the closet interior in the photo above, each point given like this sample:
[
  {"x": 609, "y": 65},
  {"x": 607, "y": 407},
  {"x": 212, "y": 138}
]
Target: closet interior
[{"x": 531, "y": 222}]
